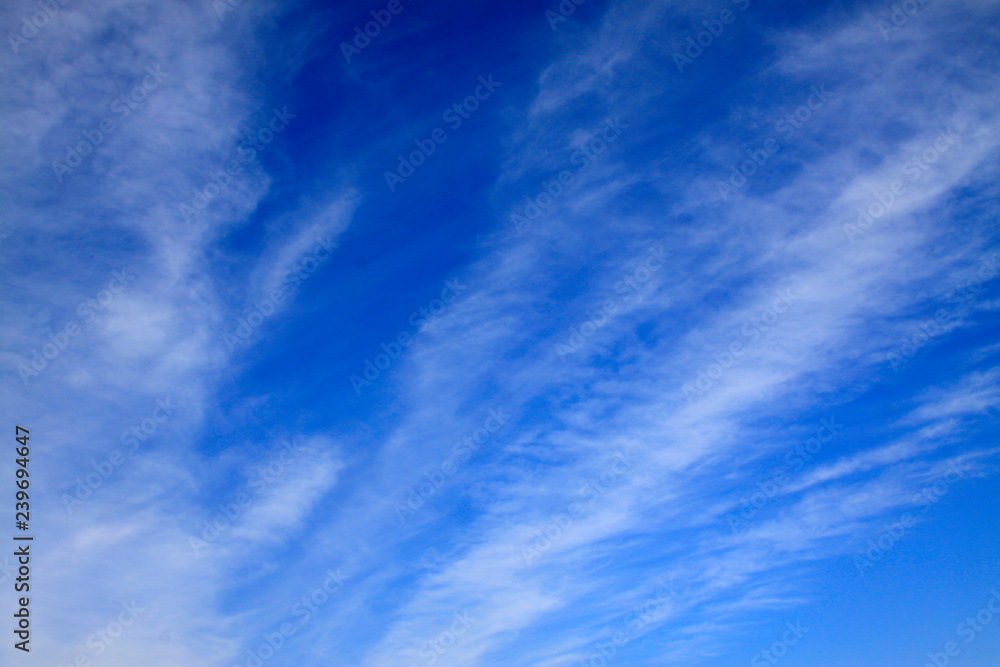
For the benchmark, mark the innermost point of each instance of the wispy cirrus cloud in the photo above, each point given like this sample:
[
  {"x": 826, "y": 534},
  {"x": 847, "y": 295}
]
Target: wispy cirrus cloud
[{"x": 607, "y": 479}]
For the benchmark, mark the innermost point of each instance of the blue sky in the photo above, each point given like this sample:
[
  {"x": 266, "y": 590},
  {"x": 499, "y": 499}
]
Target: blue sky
[{"x": 612, "y": 333}]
